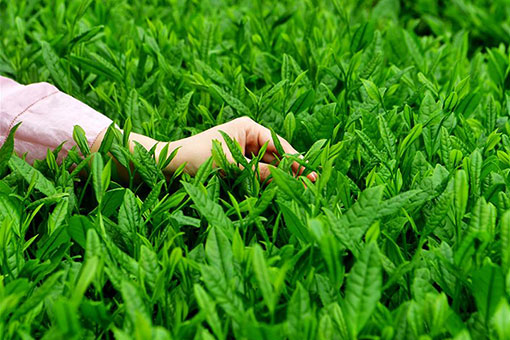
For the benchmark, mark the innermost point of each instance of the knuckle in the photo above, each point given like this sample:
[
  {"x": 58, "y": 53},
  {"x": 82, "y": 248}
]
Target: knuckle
[{"x": 245, "y": 120}]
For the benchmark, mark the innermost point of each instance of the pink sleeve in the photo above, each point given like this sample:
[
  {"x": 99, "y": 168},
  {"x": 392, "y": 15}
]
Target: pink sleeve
[{"x": 48, "y": 118}]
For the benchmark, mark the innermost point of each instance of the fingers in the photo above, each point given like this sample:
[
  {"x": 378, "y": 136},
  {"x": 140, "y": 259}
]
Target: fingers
[
  {"x": 252, "y": 136},
  {"x": 264, "y": 171},
  {"x": 257, "y": 135},
  {"x": 261, "y": 135}
]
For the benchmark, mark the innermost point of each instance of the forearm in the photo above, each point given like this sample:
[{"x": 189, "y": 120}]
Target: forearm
[{"x": 47, "y": 118}]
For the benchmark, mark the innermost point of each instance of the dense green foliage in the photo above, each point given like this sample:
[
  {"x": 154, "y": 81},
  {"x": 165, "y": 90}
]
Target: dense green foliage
[{"x": 402, "y": 108}]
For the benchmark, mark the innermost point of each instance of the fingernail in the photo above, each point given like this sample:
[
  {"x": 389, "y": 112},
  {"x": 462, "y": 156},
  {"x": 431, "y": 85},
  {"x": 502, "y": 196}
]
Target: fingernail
[{"x": 313, "y": 176}]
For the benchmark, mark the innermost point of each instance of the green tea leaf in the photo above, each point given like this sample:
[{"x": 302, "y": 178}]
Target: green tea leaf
[
  {"x": 30, "y": 174},
  {"x": 364, "y": 288},
  {"x": 262, "y": 275},
  {"x": 7, "y": 149},
  {"x": 488, "y": 288},
  {"x": 210, "y": 210}
]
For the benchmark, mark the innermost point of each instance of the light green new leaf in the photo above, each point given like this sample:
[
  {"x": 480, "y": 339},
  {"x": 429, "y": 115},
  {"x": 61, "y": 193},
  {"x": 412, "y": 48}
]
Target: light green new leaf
[
  {"x": 409, "y": 139},
  {"x": 146, "y": 166},
  {"x": 298, "y": 312},
  {"x": 149, "y": 264},
  {"x": 129, "y": 214},
  {"x": 81, "y": 140},
  {"x": 87, "y": 273},
  {"x": 475, "y": 170},
  {"x": 372, "y": 90},
  {"x": 93, "y": 246},
  {"x": 289, "y": 185},
  {"x": 208, "y": 306},
  {"x": 480, "y": 216},
  {"x": 133, "y": 300},
  {"x": 227, "y": 298},
  {"x": 97, "y": 173},
  {"x": 218, "y": 251},
  {"x": 209, "y": 209},
  {"x": 361, "y": 215},
  {"x": 461, "y": 188},
  {"x": 31, "y": 174},
  {"x": 58, "y": 215},
  {"x": 488, "y": 288},
  {"x": 7, "y": 149},
  {"x": 262, "y": 275},
  {"x": 363, "y": 288},
  {"x": 235, "y": 150},
  {"x": 500, "y": 321},
  {"x": 505, "y": 241}
]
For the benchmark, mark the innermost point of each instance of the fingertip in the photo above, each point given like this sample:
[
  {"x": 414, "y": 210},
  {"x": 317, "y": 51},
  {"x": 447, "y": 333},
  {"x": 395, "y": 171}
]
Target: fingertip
[{"x": 313, "y": 176}]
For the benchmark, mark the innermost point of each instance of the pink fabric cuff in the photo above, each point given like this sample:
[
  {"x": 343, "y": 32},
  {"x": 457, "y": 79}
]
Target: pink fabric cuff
[{"x": 48, "y": 118}]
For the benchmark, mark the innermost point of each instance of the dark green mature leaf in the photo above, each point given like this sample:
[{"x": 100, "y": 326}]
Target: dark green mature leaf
[
  {"x": 294, "y": 223},
  {"x": 77, "y": 229}
]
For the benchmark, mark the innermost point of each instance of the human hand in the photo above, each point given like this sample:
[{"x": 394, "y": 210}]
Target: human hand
[{"x": 250, "y": 135}]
